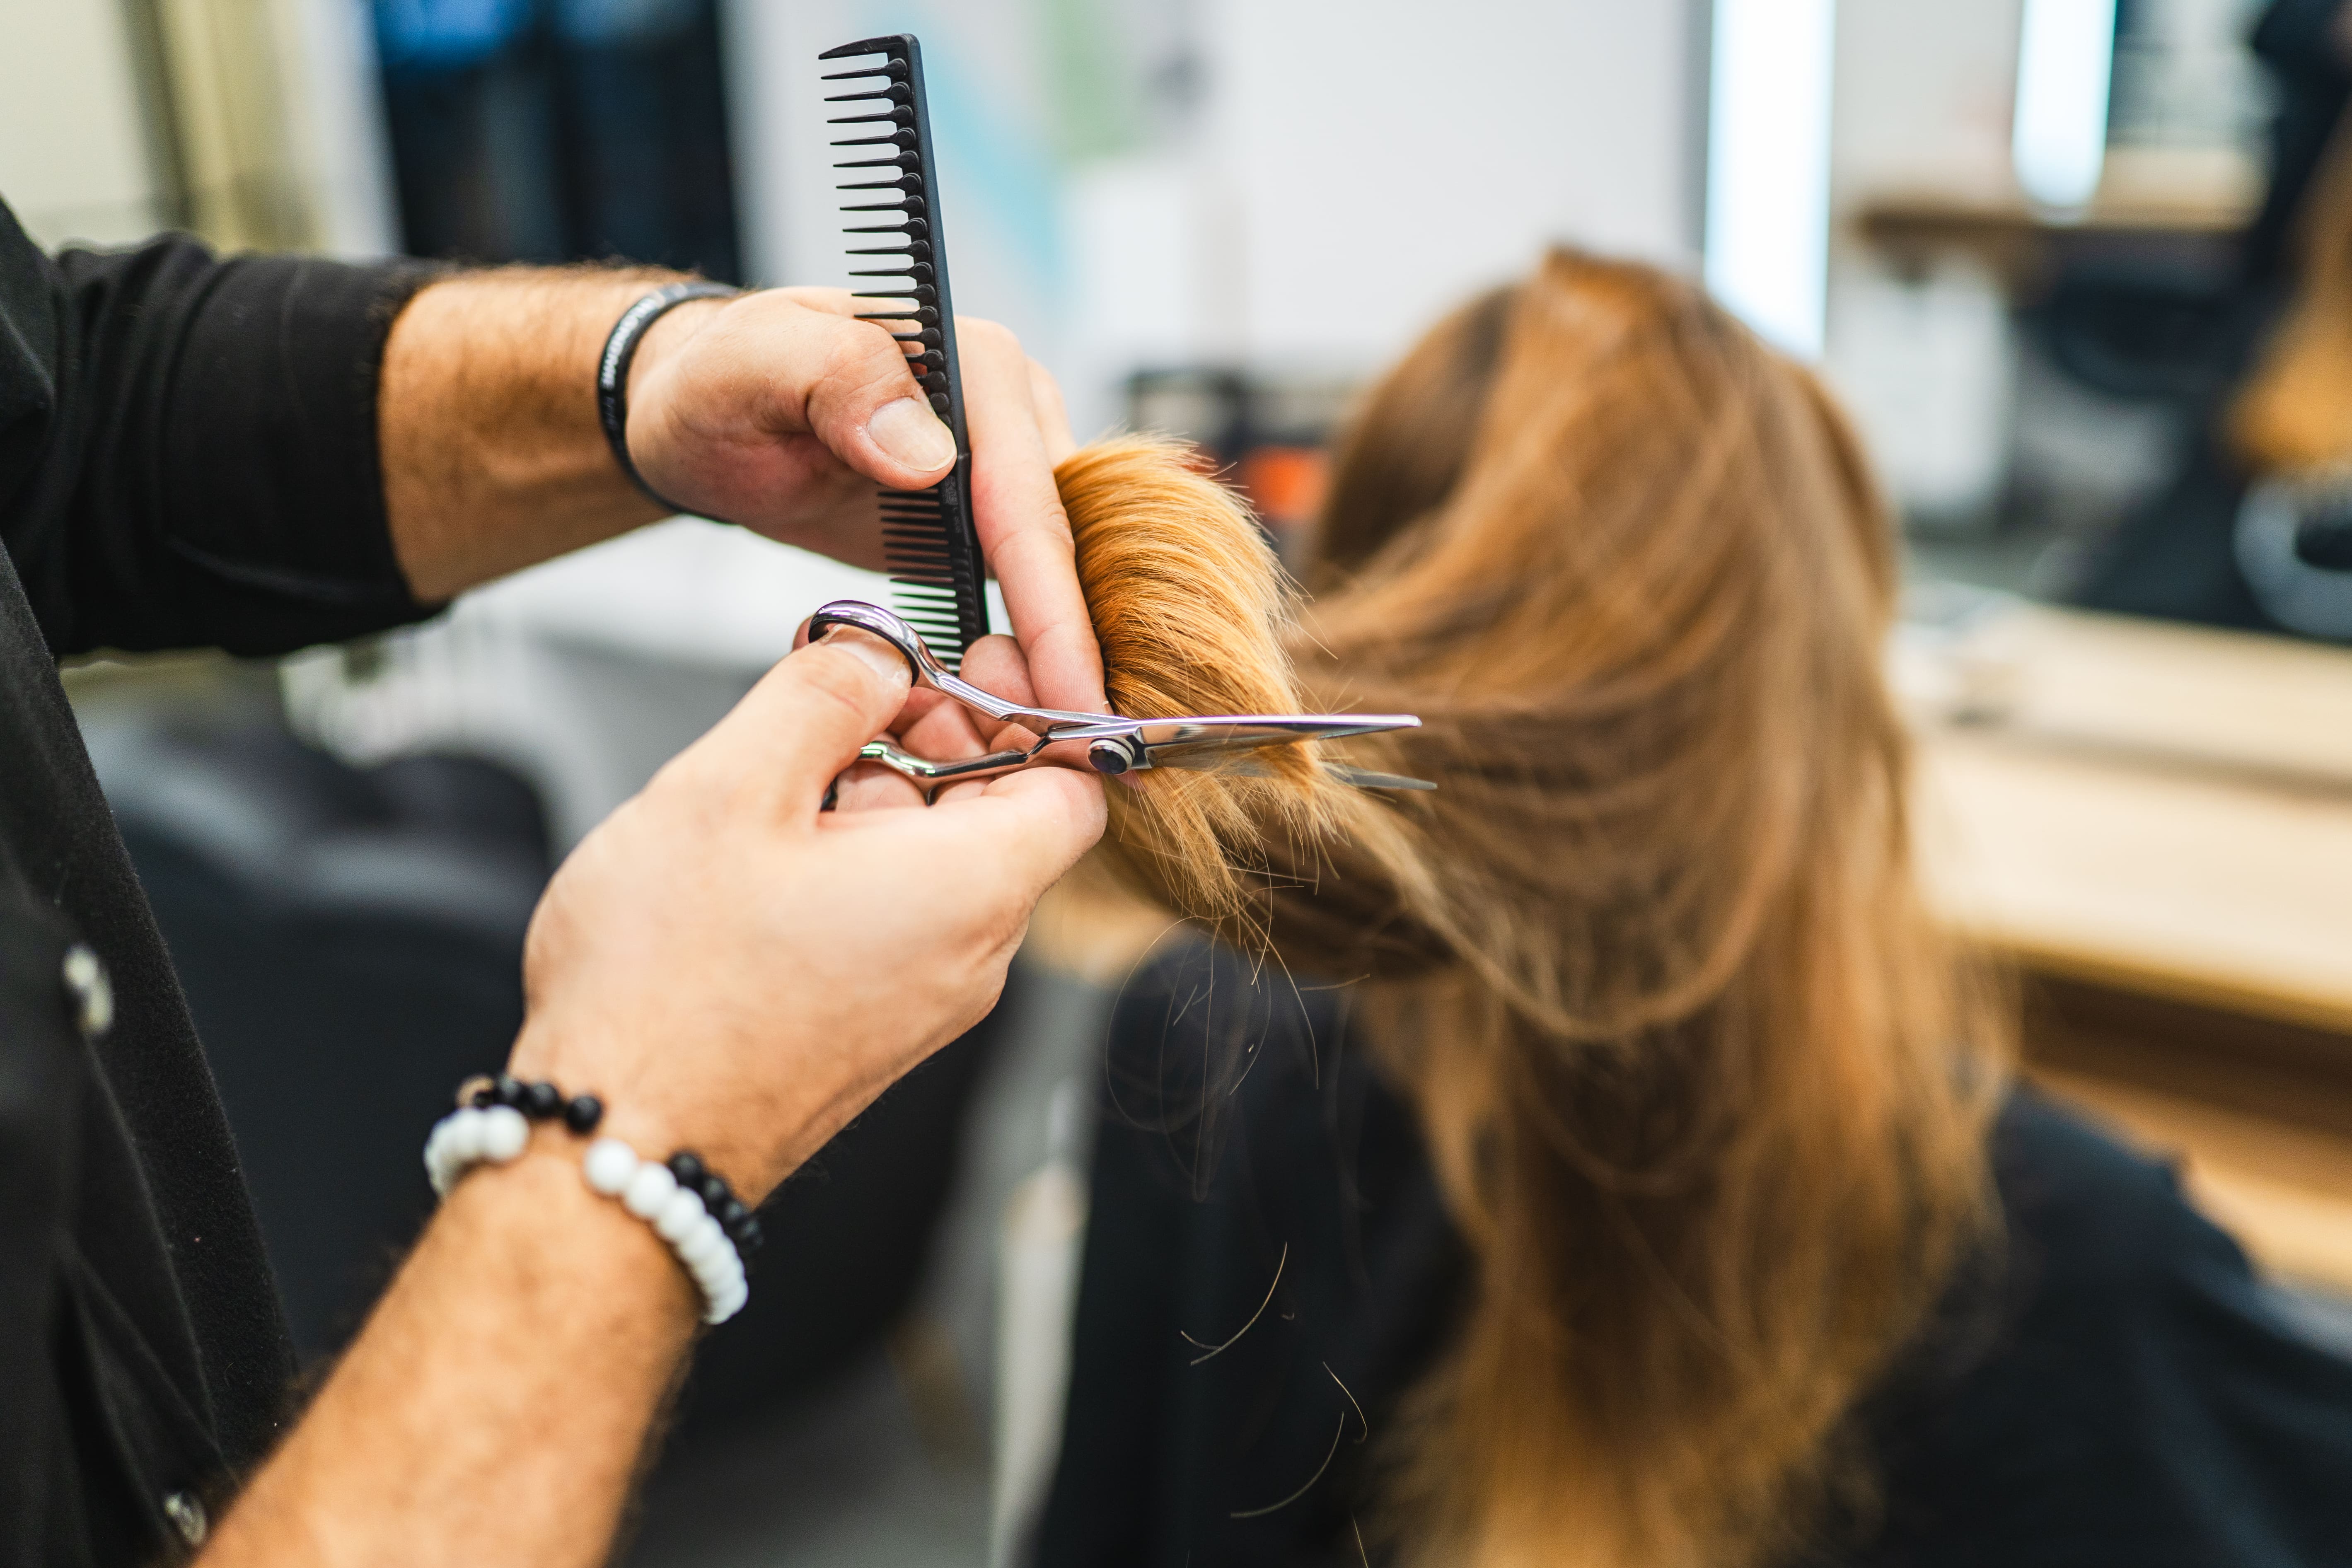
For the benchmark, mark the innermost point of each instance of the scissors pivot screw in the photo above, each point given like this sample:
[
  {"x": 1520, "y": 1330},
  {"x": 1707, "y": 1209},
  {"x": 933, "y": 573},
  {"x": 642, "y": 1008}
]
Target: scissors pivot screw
[{"x": 1112, "y": 757}]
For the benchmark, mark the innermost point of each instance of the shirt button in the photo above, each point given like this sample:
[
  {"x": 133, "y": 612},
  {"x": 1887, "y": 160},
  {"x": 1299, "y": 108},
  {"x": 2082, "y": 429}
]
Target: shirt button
[
  {"x": 93, "y": 995},
  {"x": 187, "y": 1516}
]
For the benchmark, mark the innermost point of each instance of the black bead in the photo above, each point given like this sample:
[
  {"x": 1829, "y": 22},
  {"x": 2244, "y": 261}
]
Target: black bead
[
  {"x": 507, "y": 1091},
  {"x": 732, "y": 1212},
  {"x": 542, "y": 1102},
  {"x": 749, "y": 1237},
  {"x": 687, "y": 1168},
  {"x": 582, "y": 1112},
  {"x": 715, "y": 1191}
]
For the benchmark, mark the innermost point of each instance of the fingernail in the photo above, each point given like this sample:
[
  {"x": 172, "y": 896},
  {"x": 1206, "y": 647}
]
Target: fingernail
[
  {"x": 884, "y": 659},
  {"x": 912, "y": 434}
]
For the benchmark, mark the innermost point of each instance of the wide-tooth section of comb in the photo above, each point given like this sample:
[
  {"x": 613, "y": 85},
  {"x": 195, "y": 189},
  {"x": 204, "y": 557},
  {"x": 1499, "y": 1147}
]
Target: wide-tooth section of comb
[{"x": 928, "y": 539}]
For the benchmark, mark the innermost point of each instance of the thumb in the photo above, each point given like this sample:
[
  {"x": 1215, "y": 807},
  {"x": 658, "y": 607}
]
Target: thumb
[
  {"x": 803, "y": 722},
  {"x": 865, "y": 403}
]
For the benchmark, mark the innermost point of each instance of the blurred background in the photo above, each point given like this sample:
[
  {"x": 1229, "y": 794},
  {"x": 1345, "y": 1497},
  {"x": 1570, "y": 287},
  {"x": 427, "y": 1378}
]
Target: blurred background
[{"x": 2043, "y": 249}]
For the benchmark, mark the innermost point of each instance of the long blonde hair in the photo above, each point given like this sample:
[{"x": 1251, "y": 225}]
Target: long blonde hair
[{"x": 1706, "y": 1090}]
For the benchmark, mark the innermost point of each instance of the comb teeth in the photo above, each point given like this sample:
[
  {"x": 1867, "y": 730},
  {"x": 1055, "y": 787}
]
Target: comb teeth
[
  {"x": 929, "y": 544},
  {"x": 895, "y": 69}
]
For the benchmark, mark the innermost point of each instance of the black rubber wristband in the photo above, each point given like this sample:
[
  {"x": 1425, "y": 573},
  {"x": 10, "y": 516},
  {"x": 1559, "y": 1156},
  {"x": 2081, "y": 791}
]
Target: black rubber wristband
[{"x": 621, "y": 349}]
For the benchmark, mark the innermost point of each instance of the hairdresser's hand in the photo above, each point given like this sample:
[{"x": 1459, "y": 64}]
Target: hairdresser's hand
[
  {"x": 782, "y": 411},
  {"x": 737, "y": 973}
]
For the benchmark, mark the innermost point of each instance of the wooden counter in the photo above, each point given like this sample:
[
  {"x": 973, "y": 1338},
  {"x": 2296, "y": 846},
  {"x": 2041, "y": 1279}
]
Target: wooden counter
[{"x": 2154, "y": 822}]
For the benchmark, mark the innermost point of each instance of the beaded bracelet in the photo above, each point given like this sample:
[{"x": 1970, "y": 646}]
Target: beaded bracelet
[
  {"x": 690, "y": 1206},
  {"x": 680, "y": 1215}
]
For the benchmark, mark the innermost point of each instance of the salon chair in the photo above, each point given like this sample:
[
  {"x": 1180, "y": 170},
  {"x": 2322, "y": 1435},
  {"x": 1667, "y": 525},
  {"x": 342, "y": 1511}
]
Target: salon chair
[
  {"x": 2179, "y": 339},
  {"x": 350, "y": 943},
  {"x": 2144, "y": 333}
]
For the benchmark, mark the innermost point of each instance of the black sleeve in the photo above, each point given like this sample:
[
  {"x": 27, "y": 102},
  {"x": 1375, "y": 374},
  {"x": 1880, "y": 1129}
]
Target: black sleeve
[
  {"x": 188, "y": 446},
  {"x": 38, "y": 1115}
]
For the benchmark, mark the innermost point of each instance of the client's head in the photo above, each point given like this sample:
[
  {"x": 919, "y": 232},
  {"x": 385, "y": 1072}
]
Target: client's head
[{"x": 1705, "y": 1091}]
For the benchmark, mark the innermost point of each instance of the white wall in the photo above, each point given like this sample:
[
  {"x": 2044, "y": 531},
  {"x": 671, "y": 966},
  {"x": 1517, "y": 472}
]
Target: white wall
[
  {"x": 341, "y": 151},
  {"x": 1353, "y": 167},
  {"x": 76, "y": 158},
  {"x": 1923, "y": 99},
  {"x": 1390, "y": 155},
  {"x": 1928, "y": 364},
  {"x": 74, "y": 161}
]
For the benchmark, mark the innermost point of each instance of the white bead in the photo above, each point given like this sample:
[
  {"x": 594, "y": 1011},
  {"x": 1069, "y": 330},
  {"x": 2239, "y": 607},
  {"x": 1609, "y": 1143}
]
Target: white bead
[
  {"x": 676, "y": 1218},
  {"x": 707, "y": 1239},
  {"x": 609, "y": 1166},
  {"x": 505, "y": 1133},
  {"x": 466, "y": 1130},
  {"x": 648, "y": 1190},
  {"x": 713, "y": 1271}
]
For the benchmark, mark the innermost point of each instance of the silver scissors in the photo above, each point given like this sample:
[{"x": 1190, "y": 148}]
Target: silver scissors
[{"x": 1208, "y": 743}]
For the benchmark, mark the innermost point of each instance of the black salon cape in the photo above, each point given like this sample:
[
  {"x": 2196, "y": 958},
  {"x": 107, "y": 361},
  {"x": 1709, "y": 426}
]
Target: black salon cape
[
  {"x": 188, "y": 457},
  {"x": 2124, "y": 1392}
]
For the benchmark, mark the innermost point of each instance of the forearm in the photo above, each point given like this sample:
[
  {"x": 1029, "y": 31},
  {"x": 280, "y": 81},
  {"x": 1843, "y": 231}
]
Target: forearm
[
  {"x": 497, "y": 1402},
  {"x": 493, "y": 457}
]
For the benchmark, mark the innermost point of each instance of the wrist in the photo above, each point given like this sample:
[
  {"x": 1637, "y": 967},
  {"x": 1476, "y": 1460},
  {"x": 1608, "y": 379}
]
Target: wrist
[
  {"x": 692, "y": 1207},
  {"x": 657, "y": 1113},
  {"x": 689, "y": 1203},
  {"x": 553, "y": 1237},
  {"x": 671, "y": 332},
  {"x": 623, "y": 358}
]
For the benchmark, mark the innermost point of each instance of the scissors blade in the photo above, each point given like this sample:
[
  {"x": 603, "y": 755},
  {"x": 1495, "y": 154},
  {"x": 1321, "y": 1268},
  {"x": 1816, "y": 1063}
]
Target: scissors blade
[
  {"x": 1246, "y": 732},
  {"x": 1364, "y": 778},
  {"x": 1232, "y": 743}
]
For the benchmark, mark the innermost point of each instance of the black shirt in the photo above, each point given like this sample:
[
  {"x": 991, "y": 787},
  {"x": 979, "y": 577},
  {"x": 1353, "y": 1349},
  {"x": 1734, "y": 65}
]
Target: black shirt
[
  {"x": 187, "y": 458},
  {"x": 2121, "y": 1390}
]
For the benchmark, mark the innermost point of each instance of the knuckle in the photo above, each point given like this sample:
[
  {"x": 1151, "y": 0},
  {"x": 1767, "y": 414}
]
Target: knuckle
[
  {"x": 848, "y": 348},
  {"x": 862, "y": 360},
  {"x": 993, "y": 337},
  {"x": 826, "y": 300}
]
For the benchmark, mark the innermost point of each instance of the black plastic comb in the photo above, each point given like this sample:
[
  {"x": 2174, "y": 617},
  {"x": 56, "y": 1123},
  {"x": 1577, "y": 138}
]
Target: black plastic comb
[{"x": 928, "y": 539}]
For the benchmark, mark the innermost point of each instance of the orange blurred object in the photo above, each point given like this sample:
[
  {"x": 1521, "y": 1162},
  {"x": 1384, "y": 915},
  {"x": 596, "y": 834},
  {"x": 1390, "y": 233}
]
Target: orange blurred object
[{"x": 1286, "y": 484}]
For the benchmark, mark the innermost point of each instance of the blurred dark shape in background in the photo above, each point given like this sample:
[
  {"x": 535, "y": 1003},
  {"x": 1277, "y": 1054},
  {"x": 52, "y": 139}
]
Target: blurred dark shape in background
[
  {"x": 350, "y": 943},
  {"x": 561, "y": 130},
  {"x": 2163, "y": 334}
]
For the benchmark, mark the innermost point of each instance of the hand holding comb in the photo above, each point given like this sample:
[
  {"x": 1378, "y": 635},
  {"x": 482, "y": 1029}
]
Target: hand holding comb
[{"x": 930, "y": 542}]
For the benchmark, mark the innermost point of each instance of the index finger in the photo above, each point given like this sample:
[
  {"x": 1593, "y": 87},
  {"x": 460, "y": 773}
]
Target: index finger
[
  {"x": 1033, "y": 824},
  {"x": 1023, "y": 529}
]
